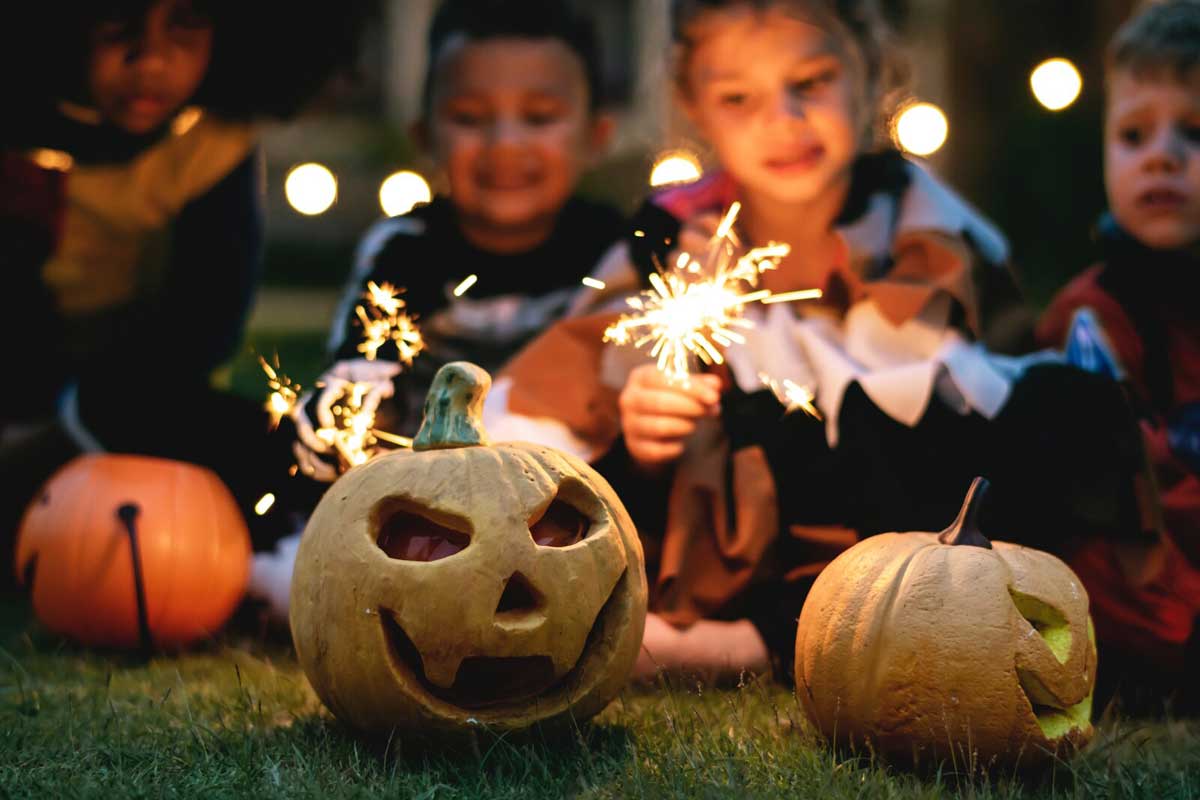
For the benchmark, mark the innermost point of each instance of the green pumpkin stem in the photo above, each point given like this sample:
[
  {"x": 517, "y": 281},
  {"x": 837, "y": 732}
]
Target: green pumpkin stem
[
  {"x": 453, "y": 415},
  {"x": 965, "y": 529}
]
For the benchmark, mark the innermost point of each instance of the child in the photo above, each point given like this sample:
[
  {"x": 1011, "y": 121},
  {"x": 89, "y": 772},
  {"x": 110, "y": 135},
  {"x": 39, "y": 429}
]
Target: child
[
  {"x": 130, "y": 194},
  {"x": 1144, "y": 295},
  {"x": 512, "y": 116},
  {"x": 758, "y": 500}
]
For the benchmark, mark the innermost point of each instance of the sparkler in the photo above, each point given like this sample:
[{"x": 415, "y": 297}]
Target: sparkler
[
  {"x": 791, "y": 395},
  {"x": 385, "y": 321},
  {"x": 284, "y": 392},
  {"x": 353, "y": 436},
  {"x": 697, "y": 306}
]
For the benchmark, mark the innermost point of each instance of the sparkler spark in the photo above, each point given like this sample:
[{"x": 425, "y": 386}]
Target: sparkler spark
[
  {"x": 353, "y": 435},
  {"x": 792, "y": 395},
  {"x": 386, "y": 322},
  {"x": 697, "y": 306},
  {"x": 283, "y": 392}
]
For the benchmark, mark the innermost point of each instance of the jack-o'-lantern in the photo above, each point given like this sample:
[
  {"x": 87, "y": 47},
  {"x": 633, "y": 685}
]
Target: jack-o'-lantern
[
  {"x": 949, "y": 645},
  {"x": 124, "y": 550},
  {"x": 461, "y": 583}
]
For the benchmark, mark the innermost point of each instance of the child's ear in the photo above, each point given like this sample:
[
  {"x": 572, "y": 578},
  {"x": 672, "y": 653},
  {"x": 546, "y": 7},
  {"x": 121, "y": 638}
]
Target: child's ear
[{"x": 600, "y": 136}]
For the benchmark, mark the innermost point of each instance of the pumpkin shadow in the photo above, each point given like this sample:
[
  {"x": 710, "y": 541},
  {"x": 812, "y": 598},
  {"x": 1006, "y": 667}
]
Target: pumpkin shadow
[
  {"x": 554, "y": 749},
  {"x": 964, "y": 770}
]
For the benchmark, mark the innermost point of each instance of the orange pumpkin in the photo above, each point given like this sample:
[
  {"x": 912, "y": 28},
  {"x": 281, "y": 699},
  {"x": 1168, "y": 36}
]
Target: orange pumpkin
[
  {"x": 122, "y": 550},
  {"x": 464, "y": 583},
  {"x": 948, "y": 646}
]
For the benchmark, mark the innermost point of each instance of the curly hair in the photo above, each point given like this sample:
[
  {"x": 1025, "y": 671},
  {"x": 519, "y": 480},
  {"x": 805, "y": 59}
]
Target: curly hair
[
  {"x": 269, "y": 56},
  {"x": 1163, "y": 39},
  {"x": 859, "y": 24}
]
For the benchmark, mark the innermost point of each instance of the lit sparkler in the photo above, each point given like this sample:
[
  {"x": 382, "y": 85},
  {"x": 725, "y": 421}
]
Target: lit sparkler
[
  {"x": 383, "y": 320},
  {"x": 284, "y": 392},
  {"x": 791, "y": 395},
  {"x": 696, "y": 307}
]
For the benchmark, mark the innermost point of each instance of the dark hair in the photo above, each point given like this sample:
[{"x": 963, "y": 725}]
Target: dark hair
[
  {"x": 861, "y": 23},
  {"x": 1163, "y": 39},
  {"x": 269, "y": 56},
  {"x": 523, "y": 19}
]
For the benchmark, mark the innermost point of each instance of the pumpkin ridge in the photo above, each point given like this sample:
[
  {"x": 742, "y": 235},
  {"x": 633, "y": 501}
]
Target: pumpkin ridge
[{"x": 882, "y": 617}]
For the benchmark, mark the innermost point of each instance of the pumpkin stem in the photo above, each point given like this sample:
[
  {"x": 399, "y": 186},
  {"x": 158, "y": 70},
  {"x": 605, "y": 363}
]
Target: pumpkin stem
[
  {"x": 965, "y": 529},
  {"x": 453, "y": 414}
]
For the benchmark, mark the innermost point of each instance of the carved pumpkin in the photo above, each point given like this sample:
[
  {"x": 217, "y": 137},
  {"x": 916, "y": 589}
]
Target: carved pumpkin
[
  {"x": 462, "y": 583},
  {"x": 122, "y": 550},
  {"x": 943, "y": 645}
]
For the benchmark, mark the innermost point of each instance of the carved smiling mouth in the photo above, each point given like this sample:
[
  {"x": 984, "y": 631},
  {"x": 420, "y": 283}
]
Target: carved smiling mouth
[{"x": 486, "y": 681}]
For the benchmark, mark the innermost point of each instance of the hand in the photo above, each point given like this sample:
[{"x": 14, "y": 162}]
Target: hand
[
  {"x": 334, "y": 383},
  {"x": 657, "y": 416},
  {"x": 709, "y": 649}
]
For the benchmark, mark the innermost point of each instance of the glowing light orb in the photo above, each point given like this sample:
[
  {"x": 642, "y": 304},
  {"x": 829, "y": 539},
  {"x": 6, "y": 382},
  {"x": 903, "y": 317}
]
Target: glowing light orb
[
  {"x": 1056, "y": 83},
  {"x": 675, "y": 167},
  {"x": 310, "y": 189},
  {"x": 921, "y": 129},
  {"x": 401, "y": 191},
  {"x": 264, "y": 504}
]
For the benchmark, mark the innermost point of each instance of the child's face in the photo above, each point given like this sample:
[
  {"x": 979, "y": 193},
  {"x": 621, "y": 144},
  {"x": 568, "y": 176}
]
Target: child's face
[
  {"x": 1152, "y": 159},
  {"x": 139, "y": 76},
  {"x": 776, "y": 100},
  {"x": 511, "y": 125}
]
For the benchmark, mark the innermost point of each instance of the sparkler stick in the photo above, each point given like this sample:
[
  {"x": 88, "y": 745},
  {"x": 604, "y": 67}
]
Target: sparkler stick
[{"x": 695, "y": 307}]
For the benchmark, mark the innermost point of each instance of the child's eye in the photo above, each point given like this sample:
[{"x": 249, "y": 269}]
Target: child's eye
[
  {"x": 543, "y": 113},
  {"x": 733, "y": 99},
  {"x": 806, "y": 85},
  {"x": 1191, "y": 133},
  {"x": 540, "y": 118},
  {"x": 468, "y": 117},
  {"x": 1131, "y": 137}
]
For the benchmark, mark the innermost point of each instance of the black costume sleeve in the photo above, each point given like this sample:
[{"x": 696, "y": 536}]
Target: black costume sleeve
[{"x": 197, "y": 320}]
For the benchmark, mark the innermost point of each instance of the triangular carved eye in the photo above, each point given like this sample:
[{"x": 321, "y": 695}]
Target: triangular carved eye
[
  {"x": 1049, "y": 622},
  {"x": 410, "y": 537},
  {"x": 561, "y": 526}
]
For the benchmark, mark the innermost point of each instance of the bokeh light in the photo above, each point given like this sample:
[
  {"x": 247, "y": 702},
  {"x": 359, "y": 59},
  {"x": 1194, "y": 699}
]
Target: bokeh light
[
  {"x": 1056, "y": 83},
  {"x": 403, "y": 190},
  {"x": 310, "y": 188},
  {"x": 675, "y": 167},
  {"x": 921, "y": 129}
]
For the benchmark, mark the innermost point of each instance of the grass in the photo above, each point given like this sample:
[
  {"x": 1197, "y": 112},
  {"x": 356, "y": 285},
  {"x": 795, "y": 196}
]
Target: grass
[{"x": 239, "y": 719}]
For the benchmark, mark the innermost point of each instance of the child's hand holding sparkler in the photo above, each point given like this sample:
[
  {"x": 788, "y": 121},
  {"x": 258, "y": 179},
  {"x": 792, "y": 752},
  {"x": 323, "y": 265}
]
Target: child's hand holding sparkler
[
  {"x": 659, "y": 414},
  {"x": 370, "y": 380}
]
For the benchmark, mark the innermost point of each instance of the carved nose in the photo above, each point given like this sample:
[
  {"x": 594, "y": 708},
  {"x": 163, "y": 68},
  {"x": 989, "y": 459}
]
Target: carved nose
[{"x": 518, "y": 598}]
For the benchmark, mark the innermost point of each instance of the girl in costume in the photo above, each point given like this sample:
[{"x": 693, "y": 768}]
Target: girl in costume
[
  {"x": 740, "y": 500},
  {"x": 130, "y": 193}
]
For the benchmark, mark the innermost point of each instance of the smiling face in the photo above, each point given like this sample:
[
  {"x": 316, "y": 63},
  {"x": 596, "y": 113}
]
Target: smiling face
[
  {"x": 786, "y": 123},
  {"x": 141, "y": 74},
  {"x": 500, "y": 584},
  {"x": 1152, "y": 158},
  {"x": 510, "y": 122}
]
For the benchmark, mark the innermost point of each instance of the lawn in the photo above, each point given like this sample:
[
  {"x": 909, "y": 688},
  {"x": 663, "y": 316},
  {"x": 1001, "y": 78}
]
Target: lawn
[{"x": 238, "y": 718}]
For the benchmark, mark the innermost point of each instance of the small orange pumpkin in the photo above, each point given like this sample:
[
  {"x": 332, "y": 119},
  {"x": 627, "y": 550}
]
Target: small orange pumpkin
[
  {"x": 465, "y": 583},
  {"x": 124, "y": 550},
  {"x": 948, "y": 645}
]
